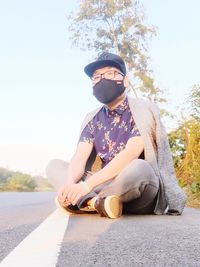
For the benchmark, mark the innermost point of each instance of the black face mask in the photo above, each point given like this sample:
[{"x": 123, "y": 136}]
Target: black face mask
[{"x": 107, "y": 91}]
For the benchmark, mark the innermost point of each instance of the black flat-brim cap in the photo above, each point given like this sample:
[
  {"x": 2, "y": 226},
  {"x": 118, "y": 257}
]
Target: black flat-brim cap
[{"x": 106, "y": 60}]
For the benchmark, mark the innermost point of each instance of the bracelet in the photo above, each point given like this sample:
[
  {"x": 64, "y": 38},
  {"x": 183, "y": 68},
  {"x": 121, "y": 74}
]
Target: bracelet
[{"x": 86, "y": 186}]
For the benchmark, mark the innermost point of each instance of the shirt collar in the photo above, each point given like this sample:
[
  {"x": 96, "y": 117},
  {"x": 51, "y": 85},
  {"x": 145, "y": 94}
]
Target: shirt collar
[{"x": 119, "y": 109}]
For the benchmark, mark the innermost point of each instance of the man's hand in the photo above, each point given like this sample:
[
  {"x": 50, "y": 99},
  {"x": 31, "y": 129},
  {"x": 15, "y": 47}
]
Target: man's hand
[
  {"x": 62, "y": 195},
  {"x": 72, "y": 193}
]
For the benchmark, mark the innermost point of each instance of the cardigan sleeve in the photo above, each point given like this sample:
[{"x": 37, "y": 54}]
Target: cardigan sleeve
[{"x": 175, "y": 195}]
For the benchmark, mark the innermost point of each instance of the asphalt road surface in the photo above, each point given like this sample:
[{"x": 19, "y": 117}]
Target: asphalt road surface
[{"x": 34, "y": 233}]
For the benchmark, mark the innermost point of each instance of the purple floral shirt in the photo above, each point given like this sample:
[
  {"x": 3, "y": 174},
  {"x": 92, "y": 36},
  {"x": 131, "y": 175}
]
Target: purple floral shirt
[{"x": 110, "y": 131}]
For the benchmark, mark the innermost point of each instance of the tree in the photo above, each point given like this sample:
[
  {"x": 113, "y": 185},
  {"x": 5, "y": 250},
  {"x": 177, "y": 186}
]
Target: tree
[
  {"x": 177, "y": 145},
  {"x": 4, "y": 175},
  {"x": 194, "y": 100},
  {"x": 21, "y": 182},
  {"x": 117, "y": 26},
  {"x": 18, "y": 181},
  {"x": 189, "y": 168},
  {"x": 185, "y": 143}
]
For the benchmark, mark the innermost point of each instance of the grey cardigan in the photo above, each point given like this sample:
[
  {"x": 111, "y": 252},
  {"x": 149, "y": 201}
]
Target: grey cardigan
[{"x": 171, "y": 197}]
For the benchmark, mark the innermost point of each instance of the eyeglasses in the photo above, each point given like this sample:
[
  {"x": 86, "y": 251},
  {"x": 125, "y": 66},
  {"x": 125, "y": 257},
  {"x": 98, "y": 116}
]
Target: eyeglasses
[{"x": 109, "y": 75}]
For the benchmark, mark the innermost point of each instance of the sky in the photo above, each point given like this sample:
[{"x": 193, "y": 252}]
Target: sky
[{"x": 44, "y": 93}]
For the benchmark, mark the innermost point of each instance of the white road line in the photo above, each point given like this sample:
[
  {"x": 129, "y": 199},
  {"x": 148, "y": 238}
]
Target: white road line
[{"x": 41, "y": 247}]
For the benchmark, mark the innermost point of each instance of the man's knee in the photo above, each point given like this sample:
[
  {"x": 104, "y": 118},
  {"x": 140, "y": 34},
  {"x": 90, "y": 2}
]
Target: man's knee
[
  {"x": 136, "y": 173},
  {"x": 142, "y": 168},
  {"x": 55, "y": 165},
  {"x": 140, "y": 163},
  {"x": 56, "y": 172},
  {"x": 137, "y": 166}
]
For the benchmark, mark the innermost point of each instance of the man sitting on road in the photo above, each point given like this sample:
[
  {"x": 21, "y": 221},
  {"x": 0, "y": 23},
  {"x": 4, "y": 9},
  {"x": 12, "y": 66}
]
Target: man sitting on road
[{"x": 136, "y": 174}]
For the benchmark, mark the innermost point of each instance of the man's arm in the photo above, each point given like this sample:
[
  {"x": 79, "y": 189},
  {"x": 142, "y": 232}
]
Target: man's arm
[
  {"x": 78, "y": 162},
  {"x": 133, "y": 149},
  {"x": 76, "y": 169}
]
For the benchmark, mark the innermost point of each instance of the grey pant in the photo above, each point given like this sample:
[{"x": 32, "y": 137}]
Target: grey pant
[{"x": 136, "y": 185}]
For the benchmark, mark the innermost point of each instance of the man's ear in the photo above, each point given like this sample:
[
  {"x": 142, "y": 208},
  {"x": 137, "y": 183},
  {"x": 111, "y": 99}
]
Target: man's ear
[{"x": 126, "y": 81}]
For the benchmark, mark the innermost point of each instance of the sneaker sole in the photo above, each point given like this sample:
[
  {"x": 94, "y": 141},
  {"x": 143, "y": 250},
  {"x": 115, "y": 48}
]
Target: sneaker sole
[
  {"x": 67, "y": 210},
  {"x": 113, "y": 206}
]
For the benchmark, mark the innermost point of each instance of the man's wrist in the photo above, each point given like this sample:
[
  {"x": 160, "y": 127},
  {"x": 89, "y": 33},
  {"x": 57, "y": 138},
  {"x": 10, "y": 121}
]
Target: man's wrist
[
  {"x": 92, "y": 181},
  {"x": 86, "y": 186}
]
